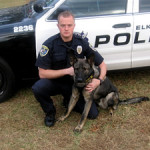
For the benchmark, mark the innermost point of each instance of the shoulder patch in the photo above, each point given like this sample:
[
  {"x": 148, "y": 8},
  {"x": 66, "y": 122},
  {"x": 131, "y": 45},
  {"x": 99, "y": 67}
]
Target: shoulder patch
[{"x": 44, "y": 50}]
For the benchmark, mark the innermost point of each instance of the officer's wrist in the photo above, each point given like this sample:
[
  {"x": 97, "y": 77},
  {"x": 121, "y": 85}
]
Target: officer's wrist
[{"x": 101, "y": 80}]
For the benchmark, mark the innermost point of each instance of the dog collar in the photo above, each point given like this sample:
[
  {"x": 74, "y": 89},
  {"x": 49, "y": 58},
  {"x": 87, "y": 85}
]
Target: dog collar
[{"x": 91, "y": 76}]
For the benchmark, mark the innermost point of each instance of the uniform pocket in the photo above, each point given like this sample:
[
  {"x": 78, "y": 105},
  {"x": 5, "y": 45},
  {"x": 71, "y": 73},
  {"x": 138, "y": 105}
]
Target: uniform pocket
[{"x": 59, "y": 61}]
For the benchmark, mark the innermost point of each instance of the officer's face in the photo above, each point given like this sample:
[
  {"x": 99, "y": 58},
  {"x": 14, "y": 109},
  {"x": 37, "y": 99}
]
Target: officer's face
[{"x": 66, "y": 26}]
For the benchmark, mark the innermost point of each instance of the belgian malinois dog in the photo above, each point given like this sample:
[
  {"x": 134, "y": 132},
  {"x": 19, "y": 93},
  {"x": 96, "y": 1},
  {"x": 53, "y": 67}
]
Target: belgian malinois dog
[{"x": 105, "y": 95}]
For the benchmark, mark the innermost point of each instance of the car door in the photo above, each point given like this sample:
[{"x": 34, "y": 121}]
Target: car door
[
  {"x": 107, "y": 23},
  {"x": 141, "y": 46}
]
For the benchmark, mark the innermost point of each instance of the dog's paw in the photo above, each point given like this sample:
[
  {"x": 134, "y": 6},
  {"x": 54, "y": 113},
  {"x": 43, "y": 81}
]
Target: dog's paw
[
  {"x": 111, "y": 111},
  {"x": 78, "y": 129},
  {"x": 60, "y": 119},
  {"x": 115, "y": 107}
]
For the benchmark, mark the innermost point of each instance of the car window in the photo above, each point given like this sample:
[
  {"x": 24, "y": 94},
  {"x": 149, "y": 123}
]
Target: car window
[
  {"x": 88, "y": 8},
  {"x": 144, "y": 6}
]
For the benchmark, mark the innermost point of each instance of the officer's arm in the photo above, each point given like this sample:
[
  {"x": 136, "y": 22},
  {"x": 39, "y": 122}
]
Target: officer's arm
[
  {"x": 53, "y": 74},
  {"x": 103, "y": 69}
]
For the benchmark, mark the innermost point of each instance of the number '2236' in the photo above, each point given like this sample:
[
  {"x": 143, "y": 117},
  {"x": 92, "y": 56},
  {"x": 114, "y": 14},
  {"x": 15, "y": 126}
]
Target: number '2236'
[{"x": 24, "y": 28}]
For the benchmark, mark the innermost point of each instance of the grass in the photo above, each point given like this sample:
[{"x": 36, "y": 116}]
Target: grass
[
  {"x": 22, "y": 126},
  {"x": 11, "y": 3}
]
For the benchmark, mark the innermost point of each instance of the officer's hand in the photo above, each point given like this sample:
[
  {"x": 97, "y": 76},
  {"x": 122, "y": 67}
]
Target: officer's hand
[
  {"x": 70, "y": 71},
  {"x": 93, "y": 85}
]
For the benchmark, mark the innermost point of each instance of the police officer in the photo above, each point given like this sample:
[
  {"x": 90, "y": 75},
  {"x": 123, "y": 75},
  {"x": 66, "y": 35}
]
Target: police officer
[{"x": 55, "y": 71}]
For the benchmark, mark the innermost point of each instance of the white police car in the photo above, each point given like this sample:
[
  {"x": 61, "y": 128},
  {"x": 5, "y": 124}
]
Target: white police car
[{"x": 118, "y": 29}]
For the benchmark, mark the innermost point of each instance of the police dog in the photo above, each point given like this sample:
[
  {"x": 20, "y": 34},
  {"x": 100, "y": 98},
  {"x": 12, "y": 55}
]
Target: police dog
[{"x": 105, "y": 95}]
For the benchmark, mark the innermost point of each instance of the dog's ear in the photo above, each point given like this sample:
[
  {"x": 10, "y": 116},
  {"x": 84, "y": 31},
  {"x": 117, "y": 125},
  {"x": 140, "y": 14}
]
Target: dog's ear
[
  {"x": 90, "y": 59},
  {"x": 72, "y": 56}
]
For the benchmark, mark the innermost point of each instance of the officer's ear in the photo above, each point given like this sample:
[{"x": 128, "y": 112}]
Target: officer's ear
[{"x": 72, "y": 56}]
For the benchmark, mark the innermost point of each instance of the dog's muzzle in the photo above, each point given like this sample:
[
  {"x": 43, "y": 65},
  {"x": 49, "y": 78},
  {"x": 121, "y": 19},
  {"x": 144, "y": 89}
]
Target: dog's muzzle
[{"x": 80, "y": 82}]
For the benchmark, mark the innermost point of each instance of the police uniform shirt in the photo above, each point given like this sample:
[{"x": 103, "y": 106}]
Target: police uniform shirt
[{"x": 53, "y": 54}]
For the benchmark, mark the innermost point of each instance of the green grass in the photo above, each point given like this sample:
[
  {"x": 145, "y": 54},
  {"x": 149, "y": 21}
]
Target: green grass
[
  {"x": 22, "y": 126},
  {"x": 11, "y": 3}
]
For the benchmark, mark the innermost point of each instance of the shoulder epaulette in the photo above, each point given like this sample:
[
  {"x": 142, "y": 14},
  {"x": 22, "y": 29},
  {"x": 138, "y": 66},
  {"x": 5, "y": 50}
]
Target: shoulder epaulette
[{"x": 81, "y": 35}]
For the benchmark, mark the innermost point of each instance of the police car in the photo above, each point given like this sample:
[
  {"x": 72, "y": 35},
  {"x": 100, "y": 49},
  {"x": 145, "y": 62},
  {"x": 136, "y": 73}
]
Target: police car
[{"x": 118, "y": 29}]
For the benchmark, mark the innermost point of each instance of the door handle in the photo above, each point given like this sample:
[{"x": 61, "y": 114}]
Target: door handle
[{"x": 122, "y": 25}]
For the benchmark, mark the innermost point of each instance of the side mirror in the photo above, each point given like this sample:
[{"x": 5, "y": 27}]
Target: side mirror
[{"x": 39, "y": 5}]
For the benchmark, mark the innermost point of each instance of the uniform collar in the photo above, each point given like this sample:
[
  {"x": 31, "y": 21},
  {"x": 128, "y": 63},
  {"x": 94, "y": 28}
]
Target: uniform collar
[{"x": 61, "y": 42}]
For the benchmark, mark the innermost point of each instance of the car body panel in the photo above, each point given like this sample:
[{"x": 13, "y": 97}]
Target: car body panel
[{"x": 121, "y": 47}]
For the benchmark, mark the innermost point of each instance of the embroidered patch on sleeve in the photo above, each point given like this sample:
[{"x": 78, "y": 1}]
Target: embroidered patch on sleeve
[{"x": 44, "y": 50}]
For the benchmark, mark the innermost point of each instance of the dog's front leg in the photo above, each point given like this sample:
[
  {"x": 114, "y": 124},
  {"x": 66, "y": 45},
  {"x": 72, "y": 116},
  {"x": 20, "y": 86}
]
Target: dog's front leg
[
  {"x": 88, "y": 102},
  {"x": 73, "y": 100}
]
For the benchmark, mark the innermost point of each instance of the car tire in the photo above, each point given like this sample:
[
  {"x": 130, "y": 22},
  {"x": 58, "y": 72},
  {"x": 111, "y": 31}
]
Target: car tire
[{"x": 7, "y": 81}]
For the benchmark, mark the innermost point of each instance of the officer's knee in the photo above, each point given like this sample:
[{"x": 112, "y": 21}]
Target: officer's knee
[
  {"x": 38, "y": 94},
  {"x": 34, "y": 89},
  {"x": 37, "y": 88}
]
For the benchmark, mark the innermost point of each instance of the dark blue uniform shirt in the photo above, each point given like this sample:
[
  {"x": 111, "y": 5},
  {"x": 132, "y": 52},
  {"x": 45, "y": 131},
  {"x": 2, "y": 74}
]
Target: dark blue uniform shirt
[{"x": 53, "y": 54}]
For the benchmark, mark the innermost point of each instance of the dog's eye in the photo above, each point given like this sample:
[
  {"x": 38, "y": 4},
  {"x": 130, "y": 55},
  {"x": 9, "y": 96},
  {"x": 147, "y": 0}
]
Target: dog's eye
[{"x": 84, "y": 68}]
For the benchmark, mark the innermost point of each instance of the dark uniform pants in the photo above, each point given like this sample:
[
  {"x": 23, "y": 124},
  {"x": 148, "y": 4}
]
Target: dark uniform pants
[{"x": 44, "y": 88}]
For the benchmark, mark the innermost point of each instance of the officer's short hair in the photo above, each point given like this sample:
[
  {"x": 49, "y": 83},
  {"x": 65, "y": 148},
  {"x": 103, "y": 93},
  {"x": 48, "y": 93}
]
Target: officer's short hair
[{"x": 65, "y": 14}]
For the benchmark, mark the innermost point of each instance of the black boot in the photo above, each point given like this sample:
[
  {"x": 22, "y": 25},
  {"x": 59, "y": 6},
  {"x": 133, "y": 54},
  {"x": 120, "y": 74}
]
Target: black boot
[{"x": 50, "y": 119}]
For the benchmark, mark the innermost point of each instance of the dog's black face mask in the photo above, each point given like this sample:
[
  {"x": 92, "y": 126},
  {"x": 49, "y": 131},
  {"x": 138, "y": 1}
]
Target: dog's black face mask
[
  {"x": 83, "y": 72},
  {"x": 83, "y": 69}
]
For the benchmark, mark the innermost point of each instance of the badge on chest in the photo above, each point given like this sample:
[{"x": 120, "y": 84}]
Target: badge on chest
[{"x": 79, "y": 49}]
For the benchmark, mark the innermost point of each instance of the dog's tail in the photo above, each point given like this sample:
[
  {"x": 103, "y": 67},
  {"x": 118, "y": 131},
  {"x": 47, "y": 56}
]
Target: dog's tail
[{"x": 133, "y": 100}]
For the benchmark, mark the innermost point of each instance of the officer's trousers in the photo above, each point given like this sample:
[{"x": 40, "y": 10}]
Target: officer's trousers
[{"x": 44, "y": 88}]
